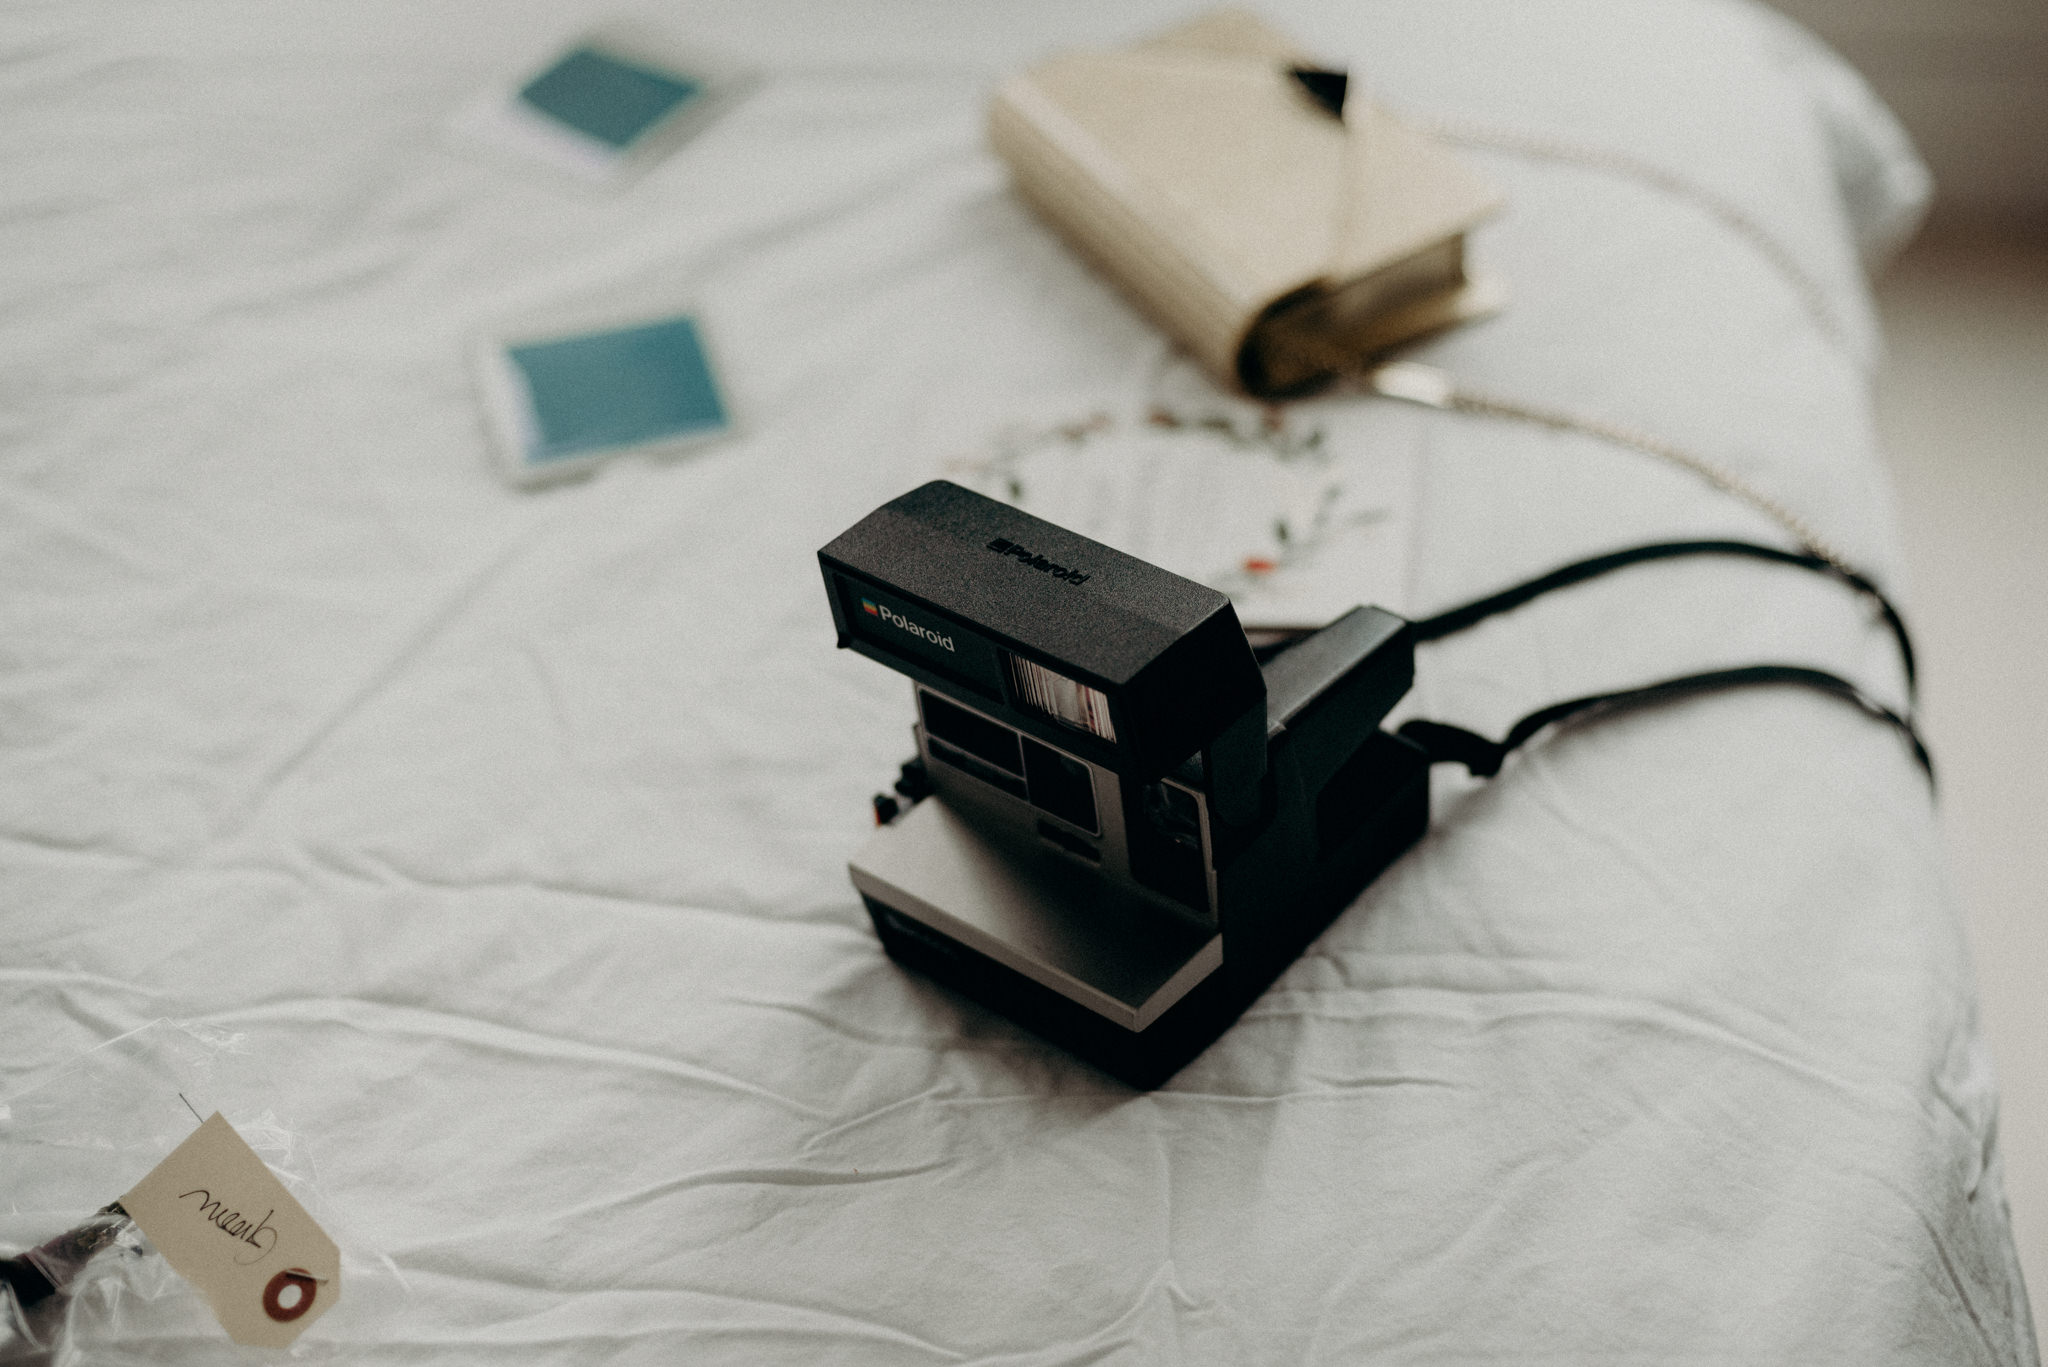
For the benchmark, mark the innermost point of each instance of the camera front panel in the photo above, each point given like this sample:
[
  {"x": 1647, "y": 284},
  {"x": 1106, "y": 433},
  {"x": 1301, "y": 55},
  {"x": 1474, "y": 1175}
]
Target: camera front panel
[{"x": 1151, "y": 838}]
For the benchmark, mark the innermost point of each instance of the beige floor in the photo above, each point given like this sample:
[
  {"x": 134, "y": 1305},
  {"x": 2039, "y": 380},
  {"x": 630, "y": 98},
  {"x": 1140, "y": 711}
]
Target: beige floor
[{"x": 1963, "y": 410}]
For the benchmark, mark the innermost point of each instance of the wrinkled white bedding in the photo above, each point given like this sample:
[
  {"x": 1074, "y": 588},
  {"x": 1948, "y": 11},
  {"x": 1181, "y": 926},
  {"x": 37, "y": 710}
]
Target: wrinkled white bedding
[{"x": 511, "y": 828}]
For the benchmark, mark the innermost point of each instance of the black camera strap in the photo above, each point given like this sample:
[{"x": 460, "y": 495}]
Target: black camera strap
[
  {"x": 1445, "y": 743},
  {"x": 1454, "y": 744}
]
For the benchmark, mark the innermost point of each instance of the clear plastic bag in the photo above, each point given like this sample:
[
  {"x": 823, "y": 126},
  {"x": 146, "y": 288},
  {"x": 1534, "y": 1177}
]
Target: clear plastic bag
[{"x": 76, "y": 1137}]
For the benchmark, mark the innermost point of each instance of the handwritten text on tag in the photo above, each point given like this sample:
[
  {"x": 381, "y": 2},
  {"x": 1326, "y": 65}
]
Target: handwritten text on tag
[{"x": 224, "y": 1221}]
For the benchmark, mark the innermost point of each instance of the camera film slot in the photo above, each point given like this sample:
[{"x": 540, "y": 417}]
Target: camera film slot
[{"x": 1062, "y": 839}]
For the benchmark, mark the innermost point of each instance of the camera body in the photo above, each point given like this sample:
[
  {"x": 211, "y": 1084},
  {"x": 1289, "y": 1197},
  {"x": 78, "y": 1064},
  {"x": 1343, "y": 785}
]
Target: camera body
[{"x": 1122, "y": 825}]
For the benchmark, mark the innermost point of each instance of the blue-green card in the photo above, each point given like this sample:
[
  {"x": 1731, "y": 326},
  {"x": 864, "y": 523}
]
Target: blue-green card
[
  {"x": 561, "y": 403},
  {"x": 611, "y": 98},
  {"x": 607, "y": 105}
]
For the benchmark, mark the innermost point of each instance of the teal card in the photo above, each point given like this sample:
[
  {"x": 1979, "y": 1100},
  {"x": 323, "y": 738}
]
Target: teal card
[
  {"x": 632, "y": 386},
  {"x": 607, "y": 97}
]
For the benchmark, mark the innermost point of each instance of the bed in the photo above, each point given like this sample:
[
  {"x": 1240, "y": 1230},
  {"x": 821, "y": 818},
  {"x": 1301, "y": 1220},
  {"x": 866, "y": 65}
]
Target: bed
[{"x": 496, "y": 841}]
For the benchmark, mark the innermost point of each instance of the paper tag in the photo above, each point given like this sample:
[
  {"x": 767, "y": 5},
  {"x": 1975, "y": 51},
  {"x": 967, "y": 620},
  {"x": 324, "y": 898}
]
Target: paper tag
[{"x": 229, "y": 1227}]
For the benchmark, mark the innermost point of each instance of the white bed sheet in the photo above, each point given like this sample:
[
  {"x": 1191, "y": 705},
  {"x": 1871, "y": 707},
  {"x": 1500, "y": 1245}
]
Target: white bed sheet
[{"x": 509, "y": 829}]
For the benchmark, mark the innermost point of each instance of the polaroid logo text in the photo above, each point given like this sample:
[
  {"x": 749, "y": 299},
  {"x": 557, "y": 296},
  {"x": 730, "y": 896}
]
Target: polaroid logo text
[
  {"x": 902, "y": 623},
  {"x": 1036, "y": 562}
]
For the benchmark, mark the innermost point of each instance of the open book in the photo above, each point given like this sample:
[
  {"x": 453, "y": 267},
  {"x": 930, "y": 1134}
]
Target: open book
[{"x": 1279, "y": 227}]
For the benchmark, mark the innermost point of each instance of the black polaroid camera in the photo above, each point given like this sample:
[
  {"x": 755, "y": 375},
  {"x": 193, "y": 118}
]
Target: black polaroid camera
[{"x": 1120, "y": 826}]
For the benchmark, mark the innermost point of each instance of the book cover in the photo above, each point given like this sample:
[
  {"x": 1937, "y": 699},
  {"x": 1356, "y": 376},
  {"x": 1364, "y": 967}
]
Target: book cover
[{"x": 1278, "y": 240}]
